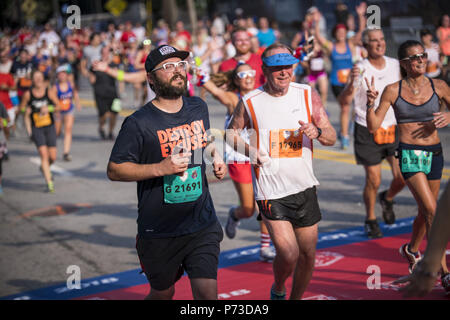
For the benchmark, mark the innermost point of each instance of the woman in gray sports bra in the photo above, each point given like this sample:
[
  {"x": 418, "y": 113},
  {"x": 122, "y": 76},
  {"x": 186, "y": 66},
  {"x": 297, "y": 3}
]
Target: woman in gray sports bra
[{"x": 416, "y": 100}]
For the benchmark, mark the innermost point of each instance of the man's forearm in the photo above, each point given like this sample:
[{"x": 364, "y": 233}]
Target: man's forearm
[
  {"x": 328, "y": 136},
  {"x": 129, "y": 171}
]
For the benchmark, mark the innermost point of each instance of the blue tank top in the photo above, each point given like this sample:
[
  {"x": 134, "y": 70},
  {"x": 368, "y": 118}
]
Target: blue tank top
[
  {"x": 341, "y": 64},
  {"x": 407, "y": 112},
  {"x": 66, "y": 98}
]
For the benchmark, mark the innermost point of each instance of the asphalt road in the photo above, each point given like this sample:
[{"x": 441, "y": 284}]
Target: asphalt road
[{"x": 91, "y": 222}]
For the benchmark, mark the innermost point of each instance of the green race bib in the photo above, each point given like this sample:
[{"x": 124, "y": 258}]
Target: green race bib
[
  {"x": 185, "y": 188},
  {"x": 416, "y": 161}
]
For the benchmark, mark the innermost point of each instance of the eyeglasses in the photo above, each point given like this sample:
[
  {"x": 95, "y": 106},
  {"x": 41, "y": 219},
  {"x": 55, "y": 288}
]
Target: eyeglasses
[
  {"x": 172, "y": 66},
  {"x": 247, "y": 73},
  {"x": 417, "y": 57}
]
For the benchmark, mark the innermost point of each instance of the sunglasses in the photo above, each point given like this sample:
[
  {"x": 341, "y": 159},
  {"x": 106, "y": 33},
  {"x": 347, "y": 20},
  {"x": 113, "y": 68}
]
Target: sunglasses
[
  {"x": 172, "y": 66},
  {"x": 247, "y": 73},
  {"x": 417, "y": 57}
]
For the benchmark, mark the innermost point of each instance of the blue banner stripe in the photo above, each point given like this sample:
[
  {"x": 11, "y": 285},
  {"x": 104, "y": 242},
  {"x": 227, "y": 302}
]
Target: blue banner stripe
[{"x": 229, "y": 258}]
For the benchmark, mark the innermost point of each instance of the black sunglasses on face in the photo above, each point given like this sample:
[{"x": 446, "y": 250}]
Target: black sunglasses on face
[{"x": 417, "y": 57}]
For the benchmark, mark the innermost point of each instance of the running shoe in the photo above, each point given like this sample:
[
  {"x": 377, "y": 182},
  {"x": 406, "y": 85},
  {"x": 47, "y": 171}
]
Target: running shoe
[
  {"x": 387, "y": 206},
  {"x": 267, "y": 254},
  {"x": 373, "y": 229},
  {"x": 51, "y": 187},
  {"x": 67, "y": 157},
  {"x": 412, "y": 257},
  {"x": 102, "y": 134},
  {"x": 111, "y": 137},
  {"x": 277, "y": 295},
  {"x": 345, "y": 142},
  {"x": 445, "y": 282},
  {"x": 232, "y": 224}
]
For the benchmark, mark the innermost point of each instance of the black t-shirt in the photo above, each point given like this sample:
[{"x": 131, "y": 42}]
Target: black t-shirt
[
  {"x": 148, "y": 136},
  {"x": 36, "y": 104},
  {"x": 22, "y": 71},
  {"x": 105, "y": 85}
]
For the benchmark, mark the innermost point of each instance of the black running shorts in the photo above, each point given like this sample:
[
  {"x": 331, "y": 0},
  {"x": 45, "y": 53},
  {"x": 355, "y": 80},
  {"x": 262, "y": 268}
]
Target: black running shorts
[
  {"x": 163, "y": 260},
  {"x": 301, "y": 209},
  {"x": 369, "y": 153},
  {"x": 45, "y": 136},
  {"x": 104, "y": 104}
]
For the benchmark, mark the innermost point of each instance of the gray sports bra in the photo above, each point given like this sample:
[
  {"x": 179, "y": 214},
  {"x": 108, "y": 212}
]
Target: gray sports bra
[{"x": 407, "y": 112}]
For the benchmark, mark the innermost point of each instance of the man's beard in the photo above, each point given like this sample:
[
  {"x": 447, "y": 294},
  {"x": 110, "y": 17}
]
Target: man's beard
[{"x": 166, "y": 90}]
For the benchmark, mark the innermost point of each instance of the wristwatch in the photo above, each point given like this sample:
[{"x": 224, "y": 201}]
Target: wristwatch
[{"x": 319, "y": 131}]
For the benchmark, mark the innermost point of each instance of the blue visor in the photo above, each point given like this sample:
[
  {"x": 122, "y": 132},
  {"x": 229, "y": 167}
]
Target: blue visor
[{"x": 280, "y": 59}]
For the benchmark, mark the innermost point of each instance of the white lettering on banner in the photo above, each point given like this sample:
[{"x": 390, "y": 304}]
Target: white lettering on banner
[
  {"x": 353, "y": 233},
  {"x": 399, "y": 225},
  {"x": 85, "y": 285},
  {"x": 247, "y": 252},
  {"x": 23, "y": 298},
  {"x": 326, "y": 258},
  {"x": 320, "y": 297},
  {"x": 235, "y": 293}
]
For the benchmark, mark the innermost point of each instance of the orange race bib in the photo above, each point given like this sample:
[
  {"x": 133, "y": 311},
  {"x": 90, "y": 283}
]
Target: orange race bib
[
  {"x": 65, "y": 104},
  {"x": 41, "y": 120},
  {"x": 25, "y": 82},
  {"x": 116, "y": 59},
  {"x": 342, "y": 75},
  {"x": 286, "y": 143},
  {"x": 432, "y": 67},
  {"x": 384, "y": 136}
]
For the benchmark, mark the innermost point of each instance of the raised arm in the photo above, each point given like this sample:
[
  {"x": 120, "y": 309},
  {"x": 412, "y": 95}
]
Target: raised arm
[
  {"x": 227, "y": 98},
  {"x": 361, "y": 11},
  {"x": 376, "y": 117},
  {"x": 131, "y": 77},
  {"x": 326, "y": 44}
]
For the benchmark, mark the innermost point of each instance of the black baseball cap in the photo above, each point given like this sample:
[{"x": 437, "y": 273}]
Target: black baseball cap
[{"x": 162, "y": 53}]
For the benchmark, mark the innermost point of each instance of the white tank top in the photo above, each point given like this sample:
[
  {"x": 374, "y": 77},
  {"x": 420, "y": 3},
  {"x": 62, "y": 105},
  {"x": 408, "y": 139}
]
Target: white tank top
[
  {"x": 389, "y": 74},
  {"x": 274, "y": 121},
  {"x": 433, "y": 69}
]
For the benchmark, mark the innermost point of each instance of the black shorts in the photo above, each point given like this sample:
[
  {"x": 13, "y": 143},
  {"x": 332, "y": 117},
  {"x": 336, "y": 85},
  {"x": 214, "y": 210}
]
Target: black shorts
[
  {"x": 367, "y": 151},
  {"x": 163, "y": 260},
  {"x": 104, "y": 104},
  {"x": 300, "y": 209},
  {"x": 437, "y": 160},
  {"x": 45, "y": 136},
  {"x": 337, "y": 90}
]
